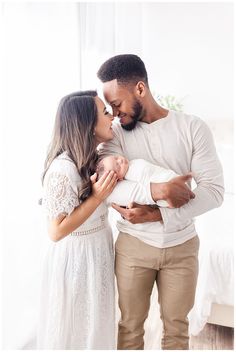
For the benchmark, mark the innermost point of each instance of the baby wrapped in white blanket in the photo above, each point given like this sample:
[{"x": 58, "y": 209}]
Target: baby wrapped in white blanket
[{"x": 136, "y": 170}]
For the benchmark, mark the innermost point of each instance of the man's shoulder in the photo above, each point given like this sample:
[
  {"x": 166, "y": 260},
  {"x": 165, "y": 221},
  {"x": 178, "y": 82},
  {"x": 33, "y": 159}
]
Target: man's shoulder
[
  {"x": 181, "y": 115},
  {"x": 186, "y": 119},
  {"x": 175, "y": 118}
]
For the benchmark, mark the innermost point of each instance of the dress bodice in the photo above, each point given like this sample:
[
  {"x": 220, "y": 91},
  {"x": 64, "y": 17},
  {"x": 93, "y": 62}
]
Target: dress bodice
[{"x": 60, "y": 195}]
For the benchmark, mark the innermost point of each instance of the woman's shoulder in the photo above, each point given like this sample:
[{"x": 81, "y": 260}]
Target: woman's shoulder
[{"x": 63, "y": 165}]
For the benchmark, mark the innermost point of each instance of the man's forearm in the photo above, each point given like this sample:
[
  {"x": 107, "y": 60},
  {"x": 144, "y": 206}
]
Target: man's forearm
[
  {"x": 206, "y": 199},
  {"x": 175, "y": 192},
  {"x": 138, "y": 214},
  {"x": 158, "y": 191}
]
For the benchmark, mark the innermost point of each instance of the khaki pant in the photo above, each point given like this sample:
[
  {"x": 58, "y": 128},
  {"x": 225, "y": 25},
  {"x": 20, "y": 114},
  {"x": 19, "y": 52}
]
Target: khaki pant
[{"x": 175, "y": 270}]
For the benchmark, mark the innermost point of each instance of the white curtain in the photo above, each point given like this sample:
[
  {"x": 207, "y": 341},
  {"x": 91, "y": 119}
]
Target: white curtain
[
  {"x": 53, "y": 48},
  {"x": 187, "y": 48},
  {"x": 41, "y": 64},
  {"x": 108, "y": 28}
]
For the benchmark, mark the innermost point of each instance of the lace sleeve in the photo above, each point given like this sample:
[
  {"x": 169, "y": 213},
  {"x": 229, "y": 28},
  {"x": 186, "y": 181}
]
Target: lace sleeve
[{"x": 59, "y": 195}]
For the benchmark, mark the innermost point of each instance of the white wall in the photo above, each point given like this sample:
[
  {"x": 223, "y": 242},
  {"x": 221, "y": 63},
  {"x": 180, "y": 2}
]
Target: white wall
[
  {"x": 41, "y": 64},
  {"x": 191, "y": 55},
  {"x": 187, "y": 48}
]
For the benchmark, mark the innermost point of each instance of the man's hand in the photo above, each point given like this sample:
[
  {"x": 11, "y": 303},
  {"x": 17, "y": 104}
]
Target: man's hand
[
  {"x": 136, "y": 213},
  {"x": 176, "y": 192}
]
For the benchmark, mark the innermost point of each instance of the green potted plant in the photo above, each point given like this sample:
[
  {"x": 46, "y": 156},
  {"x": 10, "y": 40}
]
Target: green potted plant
[{"x": 169, "y": 102}]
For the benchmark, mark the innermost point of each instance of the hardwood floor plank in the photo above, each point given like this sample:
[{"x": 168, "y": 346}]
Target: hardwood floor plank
[{"x": 213, "y": 337}]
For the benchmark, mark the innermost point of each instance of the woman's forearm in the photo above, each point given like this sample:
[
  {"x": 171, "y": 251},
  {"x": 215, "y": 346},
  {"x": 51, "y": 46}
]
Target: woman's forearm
[{"x": 64, "y": 225}]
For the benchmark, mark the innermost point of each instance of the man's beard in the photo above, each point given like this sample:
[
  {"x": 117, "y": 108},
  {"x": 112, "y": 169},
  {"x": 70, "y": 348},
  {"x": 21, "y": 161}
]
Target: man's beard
[{"x": 136, "y": 116}]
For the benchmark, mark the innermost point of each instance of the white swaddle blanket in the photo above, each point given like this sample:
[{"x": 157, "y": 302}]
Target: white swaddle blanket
[{"x": 143, "y": 173}]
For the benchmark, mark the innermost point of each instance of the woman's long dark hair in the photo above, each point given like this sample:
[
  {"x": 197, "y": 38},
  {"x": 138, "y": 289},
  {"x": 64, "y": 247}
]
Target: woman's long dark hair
[{"x": 73, "y": 132}]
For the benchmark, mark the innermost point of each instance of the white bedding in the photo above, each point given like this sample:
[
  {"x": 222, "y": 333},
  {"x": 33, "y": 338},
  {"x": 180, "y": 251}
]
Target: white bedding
[
  {"x": 216, "y": 268},
  {"x": 216, "y": 255}
]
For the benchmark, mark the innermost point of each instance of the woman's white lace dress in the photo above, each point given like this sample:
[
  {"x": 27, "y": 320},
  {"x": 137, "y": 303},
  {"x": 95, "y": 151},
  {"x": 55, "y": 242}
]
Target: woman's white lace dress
[{"x": 77, "y": 309}]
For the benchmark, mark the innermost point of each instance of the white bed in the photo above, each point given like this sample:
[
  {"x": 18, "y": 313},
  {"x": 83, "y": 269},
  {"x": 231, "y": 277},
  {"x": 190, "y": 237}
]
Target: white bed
[
  {"x": 214, "y": 302},
  {"x": 214, "y": 296}
]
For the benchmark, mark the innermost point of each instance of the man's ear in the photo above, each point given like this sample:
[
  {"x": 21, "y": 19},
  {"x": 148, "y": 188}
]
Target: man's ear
[{"x": 140, "y": 89}]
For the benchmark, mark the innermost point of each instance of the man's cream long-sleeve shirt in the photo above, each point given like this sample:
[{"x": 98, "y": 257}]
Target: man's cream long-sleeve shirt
[{"x": 182, "y": 143}]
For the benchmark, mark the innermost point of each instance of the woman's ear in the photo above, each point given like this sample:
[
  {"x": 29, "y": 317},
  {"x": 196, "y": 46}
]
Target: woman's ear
[{"x": 141, "y": 89}]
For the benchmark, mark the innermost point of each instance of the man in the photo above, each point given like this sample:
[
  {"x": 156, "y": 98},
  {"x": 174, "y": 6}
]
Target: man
[{"x": 166, "y": 252}]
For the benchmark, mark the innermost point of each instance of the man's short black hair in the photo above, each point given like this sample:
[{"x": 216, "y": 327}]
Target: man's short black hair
[{"x": 127, "y": 68}]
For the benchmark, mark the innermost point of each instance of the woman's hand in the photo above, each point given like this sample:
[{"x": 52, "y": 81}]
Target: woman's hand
[
  {"x": 65, "y": 224},
  {"x": 104, "y": 186}
]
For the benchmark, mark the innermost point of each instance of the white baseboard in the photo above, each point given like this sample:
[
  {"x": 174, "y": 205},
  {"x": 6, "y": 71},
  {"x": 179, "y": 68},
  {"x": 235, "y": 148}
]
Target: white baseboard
[{"x": 222, "y": 315}]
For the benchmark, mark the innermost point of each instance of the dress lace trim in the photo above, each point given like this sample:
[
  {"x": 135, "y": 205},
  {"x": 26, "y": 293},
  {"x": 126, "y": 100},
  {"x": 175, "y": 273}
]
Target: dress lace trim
[{"x": 59, "y": 197}]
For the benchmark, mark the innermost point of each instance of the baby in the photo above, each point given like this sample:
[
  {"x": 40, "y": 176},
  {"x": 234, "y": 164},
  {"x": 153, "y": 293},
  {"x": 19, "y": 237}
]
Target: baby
[
  {"x": 137, "y": 170},
  {"x": 117, "y": 163}
]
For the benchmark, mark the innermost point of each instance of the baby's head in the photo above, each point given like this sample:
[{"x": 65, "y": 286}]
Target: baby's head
[{"x": 117, "y": 163}]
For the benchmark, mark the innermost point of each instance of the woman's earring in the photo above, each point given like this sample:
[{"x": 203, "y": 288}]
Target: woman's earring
[{"x": 94, "y": 133}]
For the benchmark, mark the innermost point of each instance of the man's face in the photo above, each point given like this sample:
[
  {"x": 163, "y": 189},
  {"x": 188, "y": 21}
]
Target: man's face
[{"x": 124, "y": 102}]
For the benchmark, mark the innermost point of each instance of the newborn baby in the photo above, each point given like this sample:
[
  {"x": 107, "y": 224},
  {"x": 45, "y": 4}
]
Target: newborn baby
[
  {"x": 137, "y": 170},
  {"x": 117, "y": 163}
]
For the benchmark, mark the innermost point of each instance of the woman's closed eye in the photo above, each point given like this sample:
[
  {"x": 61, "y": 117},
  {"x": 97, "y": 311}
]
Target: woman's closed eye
[{"x": 106, "y": 110}]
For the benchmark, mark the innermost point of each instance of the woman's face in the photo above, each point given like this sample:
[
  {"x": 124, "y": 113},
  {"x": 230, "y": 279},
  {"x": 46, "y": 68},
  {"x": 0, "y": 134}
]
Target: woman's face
[{"x": 103, "y": 129}]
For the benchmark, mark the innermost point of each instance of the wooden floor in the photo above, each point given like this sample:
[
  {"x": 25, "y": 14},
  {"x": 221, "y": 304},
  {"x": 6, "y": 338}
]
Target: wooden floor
[{"x": 213, "y": 337}]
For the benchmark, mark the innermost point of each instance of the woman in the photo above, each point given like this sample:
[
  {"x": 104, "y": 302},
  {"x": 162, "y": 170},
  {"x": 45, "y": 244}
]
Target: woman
[{"x": 77, "y": 299}]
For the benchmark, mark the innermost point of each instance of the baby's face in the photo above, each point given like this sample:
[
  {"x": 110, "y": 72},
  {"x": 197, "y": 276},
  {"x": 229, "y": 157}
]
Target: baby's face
[{"x": 117, "y": 163}]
